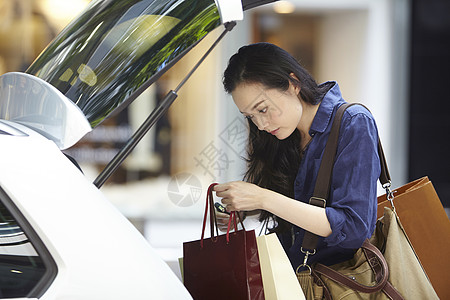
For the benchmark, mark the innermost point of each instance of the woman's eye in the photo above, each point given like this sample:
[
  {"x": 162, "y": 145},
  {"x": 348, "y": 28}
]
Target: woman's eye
[
  {"x": 249, "y": 117},
  {"x": 264, "y": 110}
]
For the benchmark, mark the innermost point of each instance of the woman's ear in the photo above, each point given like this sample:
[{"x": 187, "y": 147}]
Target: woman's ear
[{"x": 295, "y": 85}]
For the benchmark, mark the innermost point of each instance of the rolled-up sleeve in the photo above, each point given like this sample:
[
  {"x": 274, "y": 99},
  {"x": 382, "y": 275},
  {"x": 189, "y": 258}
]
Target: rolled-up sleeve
[{"x": 352, "y": 205}]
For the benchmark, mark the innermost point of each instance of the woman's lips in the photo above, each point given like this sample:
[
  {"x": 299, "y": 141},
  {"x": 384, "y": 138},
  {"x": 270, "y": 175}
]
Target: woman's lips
[{"x": 273, "y": 132}]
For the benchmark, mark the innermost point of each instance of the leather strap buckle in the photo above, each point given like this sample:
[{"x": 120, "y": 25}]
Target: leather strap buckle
[{"x": 316, "y": 201}]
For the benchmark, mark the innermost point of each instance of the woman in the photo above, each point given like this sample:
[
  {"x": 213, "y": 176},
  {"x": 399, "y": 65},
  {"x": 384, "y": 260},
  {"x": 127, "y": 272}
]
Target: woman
[{"x": 290, "y": 119}]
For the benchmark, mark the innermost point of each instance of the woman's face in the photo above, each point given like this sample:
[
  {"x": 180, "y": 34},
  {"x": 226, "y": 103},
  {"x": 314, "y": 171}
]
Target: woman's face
[{"x": 272, "y": 110}]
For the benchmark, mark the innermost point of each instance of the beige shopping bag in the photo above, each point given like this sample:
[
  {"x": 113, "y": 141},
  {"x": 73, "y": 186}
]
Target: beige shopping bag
[{"x": 279, "y": 279}]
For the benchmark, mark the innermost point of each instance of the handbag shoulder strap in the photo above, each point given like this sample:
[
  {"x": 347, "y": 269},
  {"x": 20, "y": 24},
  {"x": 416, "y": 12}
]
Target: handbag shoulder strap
[
  {"x": 323, "y": 181},
  {"x": 379, "y": 266}
]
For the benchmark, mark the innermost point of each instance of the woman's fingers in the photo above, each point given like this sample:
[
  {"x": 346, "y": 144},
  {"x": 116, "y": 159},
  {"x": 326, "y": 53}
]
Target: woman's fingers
[
  {"x": 220, "y": 187},
  {"x": 222, "y": 217},
  {"x": 222, "y": 220},
  {"x": 239, "y": 195},
  {"x": 222, "y": 190}
]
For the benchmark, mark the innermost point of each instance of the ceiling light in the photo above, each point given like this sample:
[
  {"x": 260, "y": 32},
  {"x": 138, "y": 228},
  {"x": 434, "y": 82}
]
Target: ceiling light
[{"x": 283, "y": 7}]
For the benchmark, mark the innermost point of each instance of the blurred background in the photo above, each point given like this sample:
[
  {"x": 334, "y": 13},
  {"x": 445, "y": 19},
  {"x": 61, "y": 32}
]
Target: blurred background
[{"x": 391, "y": 55}]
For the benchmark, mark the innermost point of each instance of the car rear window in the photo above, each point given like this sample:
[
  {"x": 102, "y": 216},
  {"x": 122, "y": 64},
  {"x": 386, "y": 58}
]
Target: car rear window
[
  {"x": 114, "y": 50},
  {"x": 26, "y": 267}
]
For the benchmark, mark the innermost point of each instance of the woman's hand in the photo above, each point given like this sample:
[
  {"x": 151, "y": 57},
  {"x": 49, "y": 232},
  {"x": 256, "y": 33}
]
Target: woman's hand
[
  {"x": 240, "y": 195},
  {"x": 223, "y": 218},
  {"x": 244, "y": 196}
]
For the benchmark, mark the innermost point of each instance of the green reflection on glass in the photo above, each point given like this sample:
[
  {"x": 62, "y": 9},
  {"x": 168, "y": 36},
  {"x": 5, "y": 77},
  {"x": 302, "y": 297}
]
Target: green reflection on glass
[{"x": 102, "y": 58}]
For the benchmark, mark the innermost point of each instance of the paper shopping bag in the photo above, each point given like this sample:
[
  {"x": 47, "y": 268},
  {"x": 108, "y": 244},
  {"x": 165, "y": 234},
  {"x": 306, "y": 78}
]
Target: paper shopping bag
[
  {"x": 223, "y": 266},
  {"x": 278, "y": 276},
  {"x": 427, "y": 227}
]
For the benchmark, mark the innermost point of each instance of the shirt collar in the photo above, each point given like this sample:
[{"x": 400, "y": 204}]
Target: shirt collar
[{"x": 326, "y": 108}]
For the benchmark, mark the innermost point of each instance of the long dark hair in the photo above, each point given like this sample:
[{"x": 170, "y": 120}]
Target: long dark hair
[{"x": 271, "y": 163}]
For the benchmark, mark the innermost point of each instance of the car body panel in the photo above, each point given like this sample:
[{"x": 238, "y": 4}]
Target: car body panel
[
  {"x": 99, "y": 253},
  {"x": 94, "y": 68},
  {"x": 230, "y": 10},
  {"x": 35, "y": 103}
]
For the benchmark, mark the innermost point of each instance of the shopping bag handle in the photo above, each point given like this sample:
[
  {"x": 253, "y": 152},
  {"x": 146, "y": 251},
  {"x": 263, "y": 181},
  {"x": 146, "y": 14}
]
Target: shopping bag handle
[
  {"x": 212, "y": 214},
  {"x": 213, "y": 220},
  {"x": 231, "y": 220}
]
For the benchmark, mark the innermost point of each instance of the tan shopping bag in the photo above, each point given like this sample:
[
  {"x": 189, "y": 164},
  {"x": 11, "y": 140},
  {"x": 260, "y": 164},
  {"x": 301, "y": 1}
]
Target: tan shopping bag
[
  {"x": 279, "y": 279},
  {"x": 427, "y": 227}
]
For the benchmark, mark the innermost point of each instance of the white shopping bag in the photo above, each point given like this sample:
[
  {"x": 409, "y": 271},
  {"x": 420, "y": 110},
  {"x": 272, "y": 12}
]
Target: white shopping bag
[{"x": 279, "y": 279}]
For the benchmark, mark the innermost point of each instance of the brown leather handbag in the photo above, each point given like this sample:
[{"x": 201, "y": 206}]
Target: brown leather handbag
[{"x": 385, "y": 267}]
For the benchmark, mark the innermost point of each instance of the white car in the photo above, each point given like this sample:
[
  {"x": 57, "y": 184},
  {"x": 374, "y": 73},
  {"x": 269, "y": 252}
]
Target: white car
[{"x": 60, "y": 238}]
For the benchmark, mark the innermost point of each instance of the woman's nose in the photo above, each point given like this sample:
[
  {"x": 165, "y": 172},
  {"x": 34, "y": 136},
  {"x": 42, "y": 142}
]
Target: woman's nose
[{"x": 261, "y": 122}]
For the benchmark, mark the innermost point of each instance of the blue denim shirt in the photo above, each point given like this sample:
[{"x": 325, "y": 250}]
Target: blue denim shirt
[{"x": 352, "y": 204}]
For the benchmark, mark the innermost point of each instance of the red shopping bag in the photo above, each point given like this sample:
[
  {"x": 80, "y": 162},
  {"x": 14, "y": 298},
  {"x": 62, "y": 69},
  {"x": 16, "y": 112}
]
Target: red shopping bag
[{"x": 223, "y": 266}]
